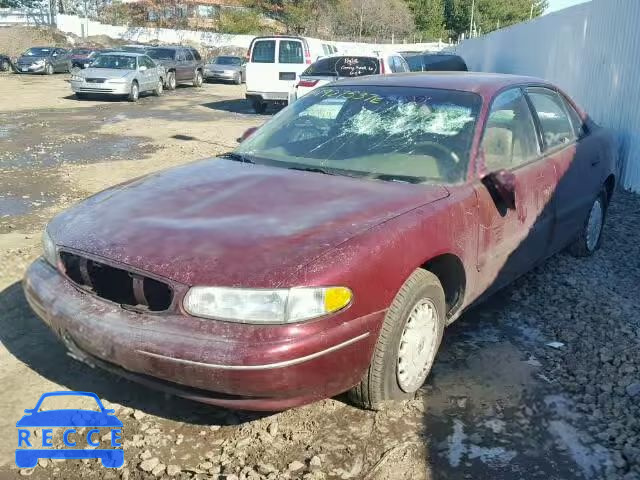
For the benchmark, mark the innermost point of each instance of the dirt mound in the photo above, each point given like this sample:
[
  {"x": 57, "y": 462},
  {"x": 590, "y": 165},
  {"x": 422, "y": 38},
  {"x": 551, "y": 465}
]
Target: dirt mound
[{"x": 15, "y": 40}]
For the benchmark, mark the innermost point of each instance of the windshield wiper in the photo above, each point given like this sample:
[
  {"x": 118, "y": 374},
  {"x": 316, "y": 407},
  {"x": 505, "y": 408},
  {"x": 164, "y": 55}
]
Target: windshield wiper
[
  {"x": 311, "y": 169},
  {"x": 236, "y": 157}
]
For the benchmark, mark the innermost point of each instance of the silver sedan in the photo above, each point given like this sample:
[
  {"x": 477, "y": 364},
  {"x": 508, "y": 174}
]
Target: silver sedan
[
  {"x": 227, "y": 68},
  {"x": 119, "y": 73}
]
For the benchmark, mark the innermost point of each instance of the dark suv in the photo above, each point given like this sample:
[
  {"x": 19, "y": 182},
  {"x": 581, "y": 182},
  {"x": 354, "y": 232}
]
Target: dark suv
[{"x": 182, "y": 64}]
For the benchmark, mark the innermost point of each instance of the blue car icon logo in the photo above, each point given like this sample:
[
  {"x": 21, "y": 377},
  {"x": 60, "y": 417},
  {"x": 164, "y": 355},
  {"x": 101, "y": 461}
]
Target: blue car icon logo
[{"x": 29, "y": 451}]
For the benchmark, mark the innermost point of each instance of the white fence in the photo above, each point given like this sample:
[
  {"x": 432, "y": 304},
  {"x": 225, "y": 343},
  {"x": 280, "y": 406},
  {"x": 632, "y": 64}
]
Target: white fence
[
  {"x": 34, "y": 16},
  {"x": 83, "y": 27},
  {"x": 592, "y": 51}
]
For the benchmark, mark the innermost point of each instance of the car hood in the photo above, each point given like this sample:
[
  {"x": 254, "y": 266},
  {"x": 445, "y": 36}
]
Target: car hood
[
  {"x": 69, "y": 418},
  {"x": 110, "y": 73},
  {"x": 30, "y": 59},
  {"x": 219, "y": 222}
]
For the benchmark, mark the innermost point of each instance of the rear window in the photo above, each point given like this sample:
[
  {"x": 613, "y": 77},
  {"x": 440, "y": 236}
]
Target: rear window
[
  {"x": 290, "y": 52},
  {"x": 264, "y": 51},
  {"x": 415, "y": 62},
  {"x": 344, "y": 67},
  {"x": 444, "y": 63}
]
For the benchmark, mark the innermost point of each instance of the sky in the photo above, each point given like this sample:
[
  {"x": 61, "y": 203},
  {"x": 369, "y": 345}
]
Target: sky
[{"x": 560, "y": 4}]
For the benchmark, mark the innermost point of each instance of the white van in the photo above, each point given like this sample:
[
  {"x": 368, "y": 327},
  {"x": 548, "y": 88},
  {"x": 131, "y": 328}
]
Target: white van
[{"x": 274, "y": 64}]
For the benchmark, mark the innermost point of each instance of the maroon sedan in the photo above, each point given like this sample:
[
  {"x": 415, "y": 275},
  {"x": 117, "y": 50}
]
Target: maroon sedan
[{"x": 329, "y": 251}]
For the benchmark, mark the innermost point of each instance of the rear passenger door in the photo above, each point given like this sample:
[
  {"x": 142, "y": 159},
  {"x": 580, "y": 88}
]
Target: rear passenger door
[
  {"x": 181, "y": 65},
  {"x": 189, "y": 64},
  {"x": 575, "y": 154}
]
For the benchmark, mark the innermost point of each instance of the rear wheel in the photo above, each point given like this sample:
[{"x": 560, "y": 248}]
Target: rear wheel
[
  {"x": 197, "y": 79},
  {"x": 407, "y": 345},
  {"x": 259, "y": 107},
  {"x": 171, "y": 81},
  {"x": 590, "y": 237},
  {"x": 134, "y": 93}
]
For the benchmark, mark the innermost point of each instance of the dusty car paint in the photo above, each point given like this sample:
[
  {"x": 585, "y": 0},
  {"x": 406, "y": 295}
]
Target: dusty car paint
[{"x": 224, "y": 223}]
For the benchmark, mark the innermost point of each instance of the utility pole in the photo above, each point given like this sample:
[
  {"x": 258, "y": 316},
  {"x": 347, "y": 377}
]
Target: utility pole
[{"x": 473, "y": 7}]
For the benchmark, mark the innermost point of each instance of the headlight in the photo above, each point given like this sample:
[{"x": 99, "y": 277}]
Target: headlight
[
  {"x": 265, "y": 306},
  {"x": 76, "y": 78},
  {"x": 49, "y": 248}
]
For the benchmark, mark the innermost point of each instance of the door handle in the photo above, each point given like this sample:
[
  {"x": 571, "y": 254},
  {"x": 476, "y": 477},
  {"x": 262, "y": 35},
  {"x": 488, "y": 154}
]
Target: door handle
[{"x": 593, "y": 164}]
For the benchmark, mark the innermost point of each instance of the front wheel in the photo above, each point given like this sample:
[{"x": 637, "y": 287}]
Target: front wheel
[
  {"x": 159, "y": 88},
  {"x": 197, "y": 80},
  {"x": 238, "y": 79},
  {"x": 171, "y": 81},
  {"x": 407, "y": 344},
  {"x": 134, "y": 93},
  {"x": 5, "y": 66},
  {"x": 48, "y": 69},
  {"x": 590, "y": 237}
]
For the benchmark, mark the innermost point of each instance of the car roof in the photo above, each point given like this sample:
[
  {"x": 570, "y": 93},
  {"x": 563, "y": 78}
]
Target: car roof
[
  {"x": 486, "y": 84},
  {"x": 126, "y": 54}
]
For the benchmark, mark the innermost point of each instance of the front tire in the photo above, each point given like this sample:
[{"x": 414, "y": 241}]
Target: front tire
[
  {"x": 134, "y": 93},
  {"x": 5, "y": 66},
  {"x": 197, "y": 79},
  {"x": 48, "y": 69},
  {"x": 407, "y": 344},
  {"x": 159, "y": 88},
  {"x": 238, "y": 79},
  {"x": 171, "y": 81},
  {"x": 589, "y": 239}
]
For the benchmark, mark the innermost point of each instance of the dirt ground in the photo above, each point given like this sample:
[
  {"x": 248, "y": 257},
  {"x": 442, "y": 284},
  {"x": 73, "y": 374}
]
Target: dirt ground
[{"x": 500, "y": 404}]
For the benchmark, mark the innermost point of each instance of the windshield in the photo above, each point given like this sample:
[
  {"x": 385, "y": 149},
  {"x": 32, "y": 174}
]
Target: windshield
[
  {"x": 118, "y": 62},
  {"x": 415, "y": 135},
  {"x": 81, "y": 51},
  {"x": 161, "y": 53},
  {"x": 38, "y": 52},
  {"x": 227, "y": 61},
  {"x": 344, "y": 67}
]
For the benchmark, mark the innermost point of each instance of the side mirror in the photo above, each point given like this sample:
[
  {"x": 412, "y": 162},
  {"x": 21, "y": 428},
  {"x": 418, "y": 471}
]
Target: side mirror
[
  {"x": 54, "y": 54},
  {"x": 247, "y": 133},
  {"x": 142, "y": 68},
  {"x": 502, "y": 187}
]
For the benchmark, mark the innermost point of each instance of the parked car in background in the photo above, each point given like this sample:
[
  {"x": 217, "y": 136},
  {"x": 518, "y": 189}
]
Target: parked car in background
[
  {"x": 47, "y": 60},
  {"x": 227, "y": 68},
  {"x": 435, "y": 62},
  {"x": 134, "y": 48},
  {"x": 274, "y": 63},
  {"x": 331, "y": 69},
  {"x": 6, "y": 65},
  {"x": 435, "y": 191},
  {"x": 81, "y": 57},
  {"x": 181, "y": 64},
  {"x": 119, "y": 73}
]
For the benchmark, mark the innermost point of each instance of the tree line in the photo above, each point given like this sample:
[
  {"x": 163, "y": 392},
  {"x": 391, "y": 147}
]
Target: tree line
[{"x": 427, "y": 19}]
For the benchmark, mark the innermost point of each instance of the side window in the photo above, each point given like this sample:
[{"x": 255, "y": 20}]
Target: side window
[
  {"x": 557, "y": 129},
  {"x": 264, "y": 51},
  {"x": 180, "y": 56},
  {"x": 290, "y": 51},
  {"x": 188, "y": 55},
  {"x": 579, "y": 128},
  {"x": 196, "y": 55},
  {"x": 510, "y": 136},
  {"x": 147, "y": 62},
  {"x": 404, "y": 67},
  {"x": 392, "y": 64}
]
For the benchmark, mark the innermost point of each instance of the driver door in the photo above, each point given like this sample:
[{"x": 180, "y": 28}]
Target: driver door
[{"x": 512, "y": 241}]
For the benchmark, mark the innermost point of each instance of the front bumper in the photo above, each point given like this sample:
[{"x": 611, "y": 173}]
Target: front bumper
[
  {"x": 231, "y": 365},
  {"x": 220, "y": 75},
  {"x": 30, "y": 68},
  {"x": 101, "y": 88}
]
